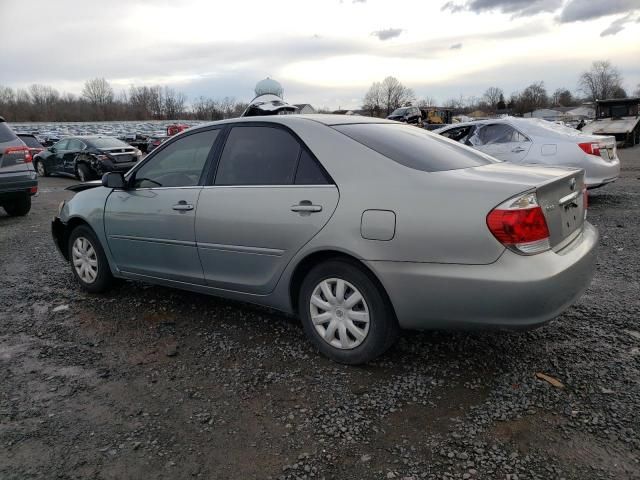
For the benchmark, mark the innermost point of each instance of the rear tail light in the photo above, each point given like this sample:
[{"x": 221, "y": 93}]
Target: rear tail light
[
  {"x": 33, "y": 190},
  {"x": 520, "y": 225},
  {"x": 15, "y": 155},
  {"x": 590, "y": 148}
]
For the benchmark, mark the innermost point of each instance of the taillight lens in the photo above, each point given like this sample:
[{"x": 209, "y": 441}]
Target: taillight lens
[
  {"x": 15, "y": 155},
  {"x": 520, "y": 224},
  {"x": 590, "y": 148}
]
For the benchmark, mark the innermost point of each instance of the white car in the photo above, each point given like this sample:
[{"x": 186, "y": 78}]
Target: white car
[{"x": 535, "y": 141}]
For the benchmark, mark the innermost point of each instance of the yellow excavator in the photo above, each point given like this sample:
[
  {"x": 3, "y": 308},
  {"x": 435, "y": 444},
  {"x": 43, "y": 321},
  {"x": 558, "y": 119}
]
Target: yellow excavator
[{"x": 436, "y": 116}]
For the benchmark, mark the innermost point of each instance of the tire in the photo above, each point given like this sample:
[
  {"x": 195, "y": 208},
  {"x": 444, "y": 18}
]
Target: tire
[
  {"x": 372, "y": 317},
  {"x": 84, "y": 173},
  {"x": 90, "y": 254},
  {"x": 18, "y": 207},
  {"x": 41, "y": 169}
]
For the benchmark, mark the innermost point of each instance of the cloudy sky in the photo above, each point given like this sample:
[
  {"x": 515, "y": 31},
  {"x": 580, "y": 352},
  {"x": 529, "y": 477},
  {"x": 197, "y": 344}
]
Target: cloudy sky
[{"x": 324, "y": 52}]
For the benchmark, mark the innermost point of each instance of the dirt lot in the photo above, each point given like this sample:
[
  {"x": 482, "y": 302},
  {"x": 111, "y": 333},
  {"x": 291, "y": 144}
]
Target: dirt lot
[{"x": 147, "y": 382}]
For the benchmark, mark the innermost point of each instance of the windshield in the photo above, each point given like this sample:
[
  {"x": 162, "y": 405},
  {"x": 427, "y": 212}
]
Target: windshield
[
  {"x": 30, "y": 141},
  {"x": 399, "y": 111},
  {"x": 108, "y": 142},
  {"x": 414, "y": 147}
]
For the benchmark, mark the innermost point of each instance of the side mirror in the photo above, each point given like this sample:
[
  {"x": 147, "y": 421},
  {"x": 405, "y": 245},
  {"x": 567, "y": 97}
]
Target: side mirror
[
  {"x": 52, "y": 149},
  {"x": 113, "y": 180}
]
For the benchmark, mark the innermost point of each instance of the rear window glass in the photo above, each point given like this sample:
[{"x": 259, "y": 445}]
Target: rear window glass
[
  {"x": 414, "y": 147},
  {"x": 108, "y": 143},
  {"x": 6, "y": 134},
  {"x": 30, "y": 141}
]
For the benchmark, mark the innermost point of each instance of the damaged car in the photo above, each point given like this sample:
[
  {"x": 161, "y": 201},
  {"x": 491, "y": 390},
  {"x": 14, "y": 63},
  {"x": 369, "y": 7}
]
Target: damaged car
[{"x": 86, "y": 158}]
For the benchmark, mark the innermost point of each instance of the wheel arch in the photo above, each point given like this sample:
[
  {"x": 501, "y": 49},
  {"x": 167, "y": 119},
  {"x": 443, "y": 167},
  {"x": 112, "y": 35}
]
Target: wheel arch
[
  {"x": 305, "y": 265},
  {"x": 70, "y": 226}
]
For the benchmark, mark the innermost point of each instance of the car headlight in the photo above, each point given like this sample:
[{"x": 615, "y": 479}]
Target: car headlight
[{"x": 61, "y": 206}]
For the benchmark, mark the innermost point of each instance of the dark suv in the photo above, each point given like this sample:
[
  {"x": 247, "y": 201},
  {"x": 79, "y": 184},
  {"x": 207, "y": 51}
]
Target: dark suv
[
  {"x": 18, "y": 179},
  {"x": 407, "y": 115},
  {"x": 86, "y": 158}
]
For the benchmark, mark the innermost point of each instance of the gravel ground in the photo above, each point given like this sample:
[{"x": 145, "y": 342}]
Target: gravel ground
[{"x": 148, "y": 382}]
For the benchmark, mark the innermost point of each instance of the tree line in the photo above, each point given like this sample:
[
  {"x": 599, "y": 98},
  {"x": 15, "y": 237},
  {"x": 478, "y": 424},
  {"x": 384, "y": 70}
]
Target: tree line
[
  {"x": 98, "y": 102},
  {"x": 602, "y": 80}
]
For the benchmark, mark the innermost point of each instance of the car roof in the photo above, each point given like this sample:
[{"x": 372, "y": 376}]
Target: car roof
[{"x": 293, "y": 119}]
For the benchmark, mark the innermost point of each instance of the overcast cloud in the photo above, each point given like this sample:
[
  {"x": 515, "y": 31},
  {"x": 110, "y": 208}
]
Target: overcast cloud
[{"x": 324, "y": 52}]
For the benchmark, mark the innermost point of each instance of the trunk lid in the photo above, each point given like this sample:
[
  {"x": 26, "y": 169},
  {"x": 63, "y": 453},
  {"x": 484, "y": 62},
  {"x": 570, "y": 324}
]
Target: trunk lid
[{"x": 559, "y": 192}]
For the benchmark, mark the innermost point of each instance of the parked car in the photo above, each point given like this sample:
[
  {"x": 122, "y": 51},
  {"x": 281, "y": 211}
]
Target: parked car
[
  {"x": 535, "y": 141},
  {"x": 411, "y": 115},
  {"x": 31, "y": 141},
  {"x": 154, "y": 142},
  {"x": 359, "y": 226},
  {"x": 18, "y": 180},
  {"x": 86, "y": 157}
]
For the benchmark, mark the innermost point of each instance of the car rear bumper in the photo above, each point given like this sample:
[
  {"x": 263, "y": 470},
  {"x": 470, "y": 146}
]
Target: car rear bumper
[
  {"x": 18, "y": 182},
  {"x": 513, "y": 292},
  {"x": 600, "y": 172}
]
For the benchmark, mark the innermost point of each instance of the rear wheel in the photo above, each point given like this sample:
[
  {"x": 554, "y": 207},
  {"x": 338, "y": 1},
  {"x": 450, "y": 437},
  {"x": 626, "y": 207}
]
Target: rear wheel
[
  {"x": 41, "y": 169},
  {"x": 84, "y": 173},
  {"x": 88, "y": 261},
  {"x": 345, "y": 314},
  {"x": 19, "y": 206}
]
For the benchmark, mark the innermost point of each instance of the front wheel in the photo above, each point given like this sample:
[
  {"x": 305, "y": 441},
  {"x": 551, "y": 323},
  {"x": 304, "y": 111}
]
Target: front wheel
[
  {"x": 84, "y": 173},
  {"x": 88, "y": 261},
  {"x": 345, "y": 314},
  {"x": 18, "y": 207},
  {"x": 41, "y": 169}
]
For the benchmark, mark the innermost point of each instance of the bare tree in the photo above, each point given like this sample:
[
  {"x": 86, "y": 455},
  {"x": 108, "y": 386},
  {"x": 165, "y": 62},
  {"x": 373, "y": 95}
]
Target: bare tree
[
  {"x": 602, "y": 81},
  {"x": 395, "y": 94},
  {"x": 173, "y": 104},
  {"x": 98, "y": 92},
  {"x": 427, "y": 102},
  {"x": 492, "y": 96},
  {"x": 562, "y": 97},
  {"x": 373, "y": 100},
  {"x": 637, "y": 92}
]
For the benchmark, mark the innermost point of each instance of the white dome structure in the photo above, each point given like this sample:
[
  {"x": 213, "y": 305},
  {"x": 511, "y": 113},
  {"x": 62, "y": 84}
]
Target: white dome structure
[{"x": 269, "y": 86}]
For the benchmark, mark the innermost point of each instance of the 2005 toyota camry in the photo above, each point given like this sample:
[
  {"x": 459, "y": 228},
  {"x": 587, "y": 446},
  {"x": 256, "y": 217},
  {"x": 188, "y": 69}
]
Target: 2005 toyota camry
[{"x": 359, "y": 226}]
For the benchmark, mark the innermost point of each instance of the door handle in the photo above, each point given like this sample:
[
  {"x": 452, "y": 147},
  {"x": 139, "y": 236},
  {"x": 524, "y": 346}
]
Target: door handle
[
  {"x": 518, "y": 150},
  {"x": 305, "y": 206},
  {"x": 182, "y": 206}
]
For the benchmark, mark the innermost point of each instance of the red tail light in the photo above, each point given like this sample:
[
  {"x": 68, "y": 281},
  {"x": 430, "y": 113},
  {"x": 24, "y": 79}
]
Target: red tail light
[
  {"x": 18, "y": 155},
  {"x": 590, "y": 148},
  {"x": 520, "y": 225}
]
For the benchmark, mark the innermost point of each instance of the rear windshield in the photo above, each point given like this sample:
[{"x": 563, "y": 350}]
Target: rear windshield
[
  {"x": 414, "y": 147},
  {"x": 6, "y": 134},
  {"x": 108, "y": 143},
  {"x": 30, "y": 141}
]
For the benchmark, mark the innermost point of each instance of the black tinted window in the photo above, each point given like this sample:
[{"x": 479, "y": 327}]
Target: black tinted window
[
  {"x": 258, "y": 156},
  {"x": 179, "y": 164},
  {"x": 309, "y": 171},
  {"x": 108, "y": 142},
  {"x": 29, "y": 141},
  {"x": 6, "y": 134},
  {"x": 62, "y": 145},
  {"x": 414, "y": 147},
  {"x": 75, "y": 145}
]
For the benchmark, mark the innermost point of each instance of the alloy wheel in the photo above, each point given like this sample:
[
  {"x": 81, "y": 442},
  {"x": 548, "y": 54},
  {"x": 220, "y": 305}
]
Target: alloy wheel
[
  {"x": 339, "y": 313},
  {"x": 85, "y": 260},
  {"x": 40, "y": 168}
]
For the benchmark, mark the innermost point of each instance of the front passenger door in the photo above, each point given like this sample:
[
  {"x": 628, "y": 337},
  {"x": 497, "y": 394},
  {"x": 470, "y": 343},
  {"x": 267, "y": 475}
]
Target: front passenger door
[
  {"x": 74, "y": 147},
  {"x": 56, "y": 158},
  {"x": 150, "y": 225}
]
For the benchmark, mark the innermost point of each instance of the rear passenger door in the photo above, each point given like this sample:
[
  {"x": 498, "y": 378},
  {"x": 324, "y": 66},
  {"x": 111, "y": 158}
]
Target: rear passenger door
[
  {"x": 502, "y": 141},
  {"x": 268, "y": 198}
]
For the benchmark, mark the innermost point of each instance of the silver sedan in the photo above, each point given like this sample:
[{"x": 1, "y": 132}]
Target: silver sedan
[
  {"x": 536, "y": 141},
  {"x": 359, "y": 226}
]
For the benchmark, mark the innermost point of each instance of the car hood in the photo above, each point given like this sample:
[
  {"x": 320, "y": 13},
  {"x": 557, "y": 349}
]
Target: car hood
[{"x": 79, "y": 187}]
